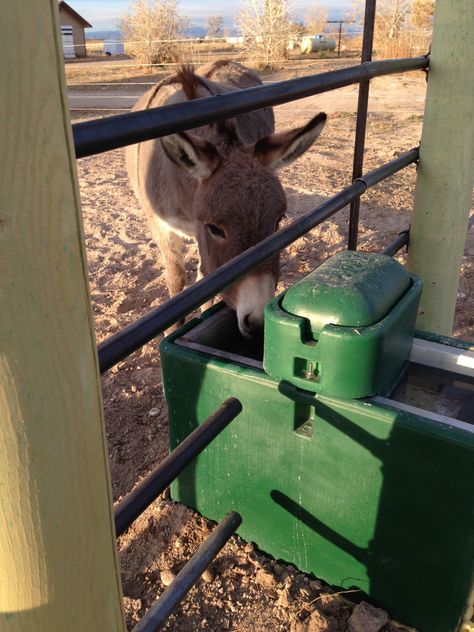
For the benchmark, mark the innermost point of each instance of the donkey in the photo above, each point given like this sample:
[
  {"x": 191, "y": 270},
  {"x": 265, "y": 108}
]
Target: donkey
[{"x": 217, "y": 184}]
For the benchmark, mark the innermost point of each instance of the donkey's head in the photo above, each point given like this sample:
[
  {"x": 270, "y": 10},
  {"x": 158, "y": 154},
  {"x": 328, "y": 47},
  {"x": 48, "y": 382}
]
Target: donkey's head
[{"x": 238, "y": 202}]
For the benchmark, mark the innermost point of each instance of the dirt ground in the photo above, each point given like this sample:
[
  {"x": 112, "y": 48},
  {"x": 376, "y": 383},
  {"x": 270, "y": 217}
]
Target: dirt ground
[{"x": 245, "y": 591}]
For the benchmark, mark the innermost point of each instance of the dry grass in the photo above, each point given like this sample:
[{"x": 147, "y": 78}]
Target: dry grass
[
  {"x": 95, "y": 47},
  {"x": 199, "y": 52},
  {"x": 409, "y": 43},
  {"x": 77, "y": 74}
]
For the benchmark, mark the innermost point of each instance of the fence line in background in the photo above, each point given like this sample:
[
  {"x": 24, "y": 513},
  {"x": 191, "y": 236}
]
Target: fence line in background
[
  {"x": 198, "y": 61},
  {"x": 202, "y": 40}
]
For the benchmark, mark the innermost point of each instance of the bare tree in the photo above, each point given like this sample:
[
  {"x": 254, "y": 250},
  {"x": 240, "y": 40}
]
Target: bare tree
[
  {"x": 267, "y": 29},
  {"x": 422, "y": 13},
  {"x": 392, "y": 15},
  {"x": 215, "y": 25},
  {"x": 422, "y": 25},
  {"x": 391, "y": 38},
  {"x": 150, "y": 28},
  {"x": 316, "y": 19}
]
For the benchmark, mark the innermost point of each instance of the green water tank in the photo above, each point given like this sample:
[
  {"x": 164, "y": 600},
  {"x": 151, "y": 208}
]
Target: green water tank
[
  {"x": 345, "y": 330},
  {"x": 372, "y": 495}
]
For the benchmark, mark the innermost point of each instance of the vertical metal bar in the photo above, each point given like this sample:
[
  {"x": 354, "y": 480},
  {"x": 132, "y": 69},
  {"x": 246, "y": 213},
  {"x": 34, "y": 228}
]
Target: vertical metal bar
[
  {"x": 189, "y": 575},
  {"x": 361, "y": 124},
  {"x": 339, "y": 42}
]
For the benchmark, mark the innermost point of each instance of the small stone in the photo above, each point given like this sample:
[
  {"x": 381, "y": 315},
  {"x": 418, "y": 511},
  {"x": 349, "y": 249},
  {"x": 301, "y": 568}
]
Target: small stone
[
  {"x": 249, "y": 547},
  {"x": 242, "y": 569},
  {"x": 367, "y": 618},
  {"x": 305, "y": 593},
  {"x": 316, "y": 622},
  {"x": 264, "y": 578},
  {"x": 284, "y": 598},
  {"x": 314, "y": 584},
  {"x": 255, "y": 559},
  {"x": 153, "y": 412},
  {"x": 281, "y": 572},
  {"x": 133, "y": 388},
  {"x": 167, "y": 577},
  {"x": 209, "y": 575}
]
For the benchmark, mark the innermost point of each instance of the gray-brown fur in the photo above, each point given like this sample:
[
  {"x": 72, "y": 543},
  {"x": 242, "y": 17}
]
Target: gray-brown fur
[{"x": 216, "y": 183}]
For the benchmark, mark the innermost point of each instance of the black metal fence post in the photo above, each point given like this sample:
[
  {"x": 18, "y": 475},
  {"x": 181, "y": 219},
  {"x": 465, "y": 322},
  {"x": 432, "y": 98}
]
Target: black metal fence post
[{"x": 361, "y": 123}]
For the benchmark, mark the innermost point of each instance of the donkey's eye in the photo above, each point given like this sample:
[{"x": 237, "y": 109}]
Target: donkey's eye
[{"x": 216, "y": 231}]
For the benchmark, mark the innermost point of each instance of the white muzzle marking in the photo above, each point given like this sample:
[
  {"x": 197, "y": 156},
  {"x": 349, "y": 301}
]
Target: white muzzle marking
[{"x": 253, "y": 293}]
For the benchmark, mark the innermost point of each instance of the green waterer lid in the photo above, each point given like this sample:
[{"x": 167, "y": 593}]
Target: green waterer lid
[{"x": 351, "y": 289}]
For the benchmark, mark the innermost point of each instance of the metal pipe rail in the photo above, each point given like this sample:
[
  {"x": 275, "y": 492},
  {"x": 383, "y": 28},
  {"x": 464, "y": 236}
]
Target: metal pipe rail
[
  {"x": 158, "y": 480},
  {"x": 361, "y": 122},
  {"x": 94, "y": 137},
  {"x": 138, "y": 333},
  {"x": 397, "y": 244},
  {"x": 189, "y": 575}
]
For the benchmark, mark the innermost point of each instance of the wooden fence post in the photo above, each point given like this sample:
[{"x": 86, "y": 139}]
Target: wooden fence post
[
  {"x": 58, "y": 562},
  {"x": 445, "y": 176}
]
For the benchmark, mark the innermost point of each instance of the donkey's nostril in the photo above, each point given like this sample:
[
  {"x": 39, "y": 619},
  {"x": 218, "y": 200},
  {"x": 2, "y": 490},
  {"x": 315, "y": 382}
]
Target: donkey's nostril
[
  {"x": 251, "y": 325},
  {"x": 247, "y": 324}
]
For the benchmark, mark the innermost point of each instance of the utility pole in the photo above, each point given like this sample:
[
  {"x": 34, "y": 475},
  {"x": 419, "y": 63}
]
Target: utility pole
[{"x": 340, "y": 22}]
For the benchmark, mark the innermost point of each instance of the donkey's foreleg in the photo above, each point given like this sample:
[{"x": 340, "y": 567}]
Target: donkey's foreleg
[
  {"x": 208, "y": 304},
  {"x": 171, "y": 246}
]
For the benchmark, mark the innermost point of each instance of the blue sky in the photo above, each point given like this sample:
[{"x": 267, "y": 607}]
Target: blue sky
[{"x": 103, "y": 14}]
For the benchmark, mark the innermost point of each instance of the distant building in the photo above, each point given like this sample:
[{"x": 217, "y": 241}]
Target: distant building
[{"x": 72, "y": 31}]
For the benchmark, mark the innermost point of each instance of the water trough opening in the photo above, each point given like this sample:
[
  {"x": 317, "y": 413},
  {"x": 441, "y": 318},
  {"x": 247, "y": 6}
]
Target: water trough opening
[{"x": 218, "y": 336}]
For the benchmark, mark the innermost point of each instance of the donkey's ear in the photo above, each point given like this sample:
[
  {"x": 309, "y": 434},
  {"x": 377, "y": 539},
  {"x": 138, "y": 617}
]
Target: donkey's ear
[
  {"x": 278, "y": 150},
  {"x": 199, "y": 157}
]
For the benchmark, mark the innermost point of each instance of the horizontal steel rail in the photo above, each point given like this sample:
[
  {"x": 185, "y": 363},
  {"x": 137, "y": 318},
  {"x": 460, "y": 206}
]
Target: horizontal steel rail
[
  {"x": 188, "y": 575},
  {"x": 94, "y": 137},
  {"x": 397, "y": 244},
  {"x": 158, "y": 480},
  {"x": 138, "y": 333}
]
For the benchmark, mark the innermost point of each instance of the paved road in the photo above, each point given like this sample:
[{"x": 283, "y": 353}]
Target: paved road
[{"x": 116, "y": 98}]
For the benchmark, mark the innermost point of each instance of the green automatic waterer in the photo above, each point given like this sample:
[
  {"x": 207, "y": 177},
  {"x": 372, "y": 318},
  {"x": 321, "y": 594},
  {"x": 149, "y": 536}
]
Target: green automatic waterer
[
  {"x": 346, "y": 329},
  {"x": 353, "y": 456}
]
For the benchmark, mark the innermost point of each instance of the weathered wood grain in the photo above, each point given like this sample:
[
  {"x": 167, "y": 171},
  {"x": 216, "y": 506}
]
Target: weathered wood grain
[
  {"x": 445, "y": 174},
  {"x": 58, "y": 564}
]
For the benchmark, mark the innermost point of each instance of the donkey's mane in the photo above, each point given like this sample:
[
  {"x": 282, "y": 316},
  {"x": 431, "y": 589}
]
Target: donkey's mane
[{"x": 188, "y": 80}]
